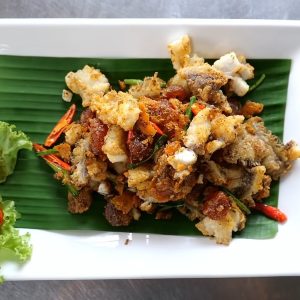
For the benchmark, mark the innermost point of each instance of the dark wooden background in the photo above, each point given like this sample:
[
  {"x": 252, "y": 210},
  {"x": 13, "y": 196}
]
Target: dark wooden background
[{"x": 231, "y": 288}]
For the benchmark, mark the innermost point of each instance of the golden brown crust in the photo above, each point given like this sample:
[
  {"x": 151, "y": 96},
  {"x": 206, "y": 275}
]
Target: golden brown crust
[{"x": 115, "y": 149}]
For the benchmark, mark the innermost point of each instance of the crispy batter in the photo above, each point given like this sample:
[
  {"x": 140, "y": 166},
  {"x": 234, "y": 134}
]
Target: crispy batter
[
  {"x": 80, "y": 203},
  {"x": 237, "y": 70},
  {"x": 165, "y": 186},
  {"x": 222, "y": 228},
  {"x": 115, "y": 217},
  {"x": 206, "y": 82},
  {"x": 114, "y": 145},
  {"x": 150, "y": 87},
  {"x": 243, "y": 182},
  {"x": 116, "y": 108},
  {"x": 250, "y": 108},
  {"x": 64, "y": 151},
  {"x": 256, "y": 145},
  {"x": 73, "y": 133},
  {"x": 87, "y": 83},
  {"x": 180, "y": 52},
  {"x": 96, "y": 169},
  {"x": 214, "y": 149},
  {"x": 139, "y": 178},
  {"x": 210, "y": 131},
  {"x": 126, "y": 202},
  {"x": 171, "y": 120}
]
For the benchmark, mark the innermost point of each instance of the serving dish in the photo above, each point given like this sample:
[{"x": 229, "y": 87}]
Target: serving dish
[{"x": 99, "y": 255}]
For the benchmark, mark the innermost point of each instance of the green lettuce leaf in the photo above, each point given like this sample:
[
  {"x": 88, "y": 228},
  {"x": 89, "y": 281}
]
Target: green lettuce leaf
[
  {"x": 10, "y": 237},
  {"x": 11, "y": 141}
]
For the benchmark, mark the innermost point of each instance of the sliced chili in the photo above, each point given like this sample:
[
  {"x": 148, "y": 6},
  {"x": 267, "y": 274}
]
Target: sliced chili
[
  {"x": 58, "y": 129},
  {"x": 130, "y": 136},
  {"x": 271, "y": 212},
  {"x": 1, "y": 216},
  {"x": 158, "y": 130},
  {"x": 197, "y": 107},
  {"x": 51, "y": 158}
]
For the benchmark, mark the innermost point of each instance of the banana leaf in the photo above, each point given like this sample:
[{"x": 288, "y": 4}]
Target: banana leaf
[{"x": 30, "y": 98}]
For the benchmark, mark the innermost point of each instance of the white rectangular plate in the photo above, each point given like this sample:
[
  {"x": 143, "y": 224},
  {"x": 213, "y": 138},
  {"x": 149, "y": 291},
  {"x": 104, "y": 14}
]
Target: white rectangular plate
[{"x": 99, "y": 255}]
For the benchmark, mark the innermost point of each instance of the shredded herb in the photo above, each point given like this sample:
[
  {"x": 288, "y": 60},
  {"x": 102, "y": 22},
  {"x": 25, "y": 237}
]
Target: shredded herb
[
  {"x": 139, "y": 81},
  {"x": 46, "y": 152},
  {"x": 188, "y": 111},
  {"x": 170, "y": 205},
  {"x": 65, "y": 175},
  {"x": 257, "y": 83},
  {"x": 238, "y": 202},
  {"x": 159, "y": 143},
  {"x": 133, "y": 81}
]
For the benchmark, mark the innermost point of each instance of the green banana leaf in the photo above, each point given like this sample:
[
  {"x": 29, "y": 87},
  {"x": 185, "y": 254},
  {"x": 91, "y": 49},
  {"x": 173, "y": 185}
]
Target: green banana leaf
[{"x": 30, "y": 98}]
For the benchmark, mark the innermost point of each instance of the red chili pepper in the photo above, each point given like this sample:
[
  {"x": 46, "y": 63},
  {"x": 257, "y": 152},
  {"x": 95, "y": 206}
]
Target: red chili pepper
[
  {"x": 197, "y": 107},
  {"x": 1, "y": 216},
  {"x": 158, "y": 130},
  {"x": 51, "y": 158},
  {"x": 58, "y": 129},
  {"x": 271, "y": 212},
  {"x": 130, "y": 136}
]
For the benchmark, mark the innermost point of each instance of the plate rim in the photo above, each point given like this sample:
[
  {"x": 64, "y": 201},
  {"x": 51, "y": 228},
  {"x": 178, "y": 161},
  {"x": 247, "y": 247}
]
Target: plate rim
[{"x": 48, "y": 23}]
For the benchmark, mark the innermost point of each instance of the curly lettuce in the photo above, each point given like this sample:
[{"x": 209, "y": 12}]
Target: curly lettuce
[
  {"x": 11, "y": 141},
  {"x": 10, "y": 237}
]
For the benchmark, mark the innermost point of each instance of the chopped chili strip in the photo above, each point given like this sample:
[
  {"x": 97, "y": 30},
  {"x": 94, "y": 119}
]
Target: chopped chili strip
[
  {"x": 158, "y": 130},
  {"x": 1, "y": 216},
  {"x": 51, "y": 158},
  {"x": 271, "y": 212},
  {"x": 58, "y": 129},
  {"x": 197, "y": 107},
  {"x": 130, "y": 136}
]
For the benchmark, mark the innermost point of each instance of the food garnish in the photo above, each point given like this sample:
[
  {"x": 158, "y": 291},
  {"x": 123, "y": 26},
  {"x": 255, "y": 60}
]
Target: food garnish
[
  {"x": 271, "y": 212},
  {"x": 257, "y": 83},
  {"x": 10, "y": 238},
  {"x": 11, "y": 141},
  {"x": 179, "y": 144},
  {"x": 65, "y": 120}
]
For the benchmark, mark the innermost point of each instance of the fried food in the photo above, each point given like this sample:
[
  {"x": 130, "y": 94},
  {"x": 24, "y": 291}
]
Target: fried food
[{"x": 143, "y": 149}]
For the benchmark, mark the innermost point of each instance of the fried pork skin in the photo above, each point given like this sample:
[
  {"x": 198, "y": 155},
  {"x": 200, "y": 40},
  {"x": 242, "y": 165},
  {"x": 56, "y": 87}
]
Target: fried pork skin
[
  {"x": 79, "y": 176},
  {"x": 222, "y": 146},
  {"x": 167, "y": 114},
  {"x": 221, "y": 229},
  {"x": 245, "y": 183},
  {"x": 150, "y": 87},
  {"x": 210, "y": 131},
  {"x": 116, "y": 108},
  {"x": 114, "y": 145},
  {"x": 87, "y": 83},
  {"x": 167, "y": 183},
  {"x": 237, "y": 71},
  {"x": 81, "y": 203},
  {"x": 256, "y": 145},
  {"x": 73, "y": 133}
]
